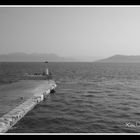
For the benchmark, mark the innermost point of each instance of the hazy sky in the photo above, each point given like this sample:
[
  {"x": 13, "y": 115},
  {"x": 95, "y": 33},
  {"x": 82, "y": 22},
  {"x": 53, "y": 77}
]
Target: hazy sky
[{"x": 70, "y": 31}]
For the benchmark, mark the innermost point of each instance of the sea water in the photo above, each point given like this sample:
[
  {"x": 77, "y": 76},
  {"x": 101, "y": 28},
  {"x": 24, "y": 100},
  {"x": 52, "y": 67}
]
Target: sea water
[{"x": 90, "y": 98}]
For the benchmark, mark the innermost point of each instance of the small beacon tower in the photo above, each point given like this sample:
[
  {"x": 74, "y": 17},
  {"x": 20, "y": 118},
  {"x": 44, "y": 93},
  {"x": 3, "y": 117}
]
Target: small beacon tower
[{"x": 46, "y": 68}]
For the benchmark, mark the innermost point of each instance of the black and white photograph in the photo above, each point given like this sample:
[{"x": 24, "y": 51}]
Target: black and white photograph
[{"x": 69, "y": 69}]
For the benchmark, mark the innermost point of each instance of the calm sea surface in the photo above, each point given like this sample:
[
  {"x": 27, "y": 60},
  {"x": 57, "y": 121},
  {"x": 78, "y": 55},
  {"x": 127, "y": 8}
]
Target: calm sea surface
[{"x": 90, "y": 98}]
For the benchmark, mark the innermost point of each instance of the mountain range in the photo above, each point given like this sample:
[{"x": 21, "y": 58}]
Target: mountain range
[
  {"x": 121, "y": 59},
  {"x": 40, "y": 57},
  {"x": 34, "y": 57}
]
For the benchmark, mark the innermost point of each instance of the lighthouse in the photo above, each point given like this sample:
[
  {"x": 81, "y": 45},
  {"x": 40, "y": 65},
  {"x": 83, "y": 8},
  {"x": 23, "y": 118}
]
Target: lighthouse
[{"x": 46, "y": 68}]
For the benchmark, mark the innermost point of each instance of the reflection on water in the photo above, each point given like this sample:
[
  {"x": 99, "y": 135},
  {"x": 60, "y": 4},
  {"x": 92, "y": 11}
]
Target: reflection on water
[{"x": 90, "y": 98}]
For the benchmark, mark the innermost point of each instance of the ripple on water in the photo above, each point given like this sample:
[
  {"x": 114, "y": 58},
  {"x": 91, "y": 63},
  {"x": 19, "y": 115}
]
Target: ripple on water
[{"x": 90, "y": 98}]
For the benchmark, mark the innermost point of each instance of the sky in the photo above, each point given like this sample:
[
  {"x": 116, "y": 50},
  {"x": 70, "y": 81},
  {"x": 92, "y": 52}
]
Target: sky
[{"x": 71, "y": 31}]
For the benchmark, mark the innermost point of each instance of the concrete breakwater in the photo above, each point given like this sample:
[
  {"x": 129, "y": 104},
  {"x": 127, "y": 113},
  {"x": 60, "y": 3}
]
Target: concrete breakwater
[{"x": 8, "y": 120}]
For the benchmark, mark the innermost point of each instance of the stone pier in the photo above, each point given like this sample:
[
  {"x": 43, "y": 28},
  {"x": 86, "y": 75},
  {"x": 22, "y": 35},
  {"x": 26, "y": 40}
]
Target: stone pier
[{"x": 17, "y": 99}]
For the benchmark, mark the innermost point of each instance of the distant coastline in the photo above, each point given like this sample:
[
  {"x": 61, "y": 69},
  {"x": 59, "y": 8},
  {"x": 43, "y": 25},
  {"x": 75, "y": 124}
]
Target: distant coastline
[
  {"x": 121, "y": 59},
  {"x": 34, "y": 57},
  {"x": 41, "y": 57}
]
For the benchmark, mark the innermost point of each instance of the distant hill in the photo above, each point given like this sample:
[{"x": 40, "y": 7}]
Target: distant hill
[
  {"x": 121, "y": 59},
  {"x": 34, "y": 57}
]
